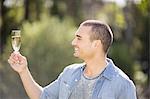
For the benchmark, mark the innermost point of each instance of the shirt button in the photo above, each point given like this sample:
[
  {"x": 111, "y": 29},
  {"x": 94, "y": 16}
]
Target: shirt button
[{"x": 76, "y": 80}]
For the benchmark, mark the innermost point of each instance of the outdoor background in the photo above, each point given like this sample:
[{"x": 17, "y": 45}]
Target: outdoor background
[{"x": 48, "y": 27}]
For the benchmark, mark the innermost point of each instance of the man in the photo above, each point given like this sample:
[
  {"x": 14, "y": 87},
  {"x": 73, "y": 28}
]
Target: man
[{"x": 96, "y": 78}]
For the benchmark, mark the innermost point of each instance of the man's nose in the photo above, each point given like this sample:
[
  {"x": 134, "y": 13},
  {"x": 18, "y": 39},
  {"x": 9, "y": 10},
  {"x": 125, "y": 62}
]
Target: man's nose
[{"x": 73, "y": 43}]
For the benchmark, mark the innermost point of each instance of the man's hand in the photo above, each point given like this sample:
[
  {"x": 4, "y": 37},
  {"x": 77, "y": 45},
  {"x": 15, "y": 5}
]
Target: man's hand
[{"x": 18, "y": 62}]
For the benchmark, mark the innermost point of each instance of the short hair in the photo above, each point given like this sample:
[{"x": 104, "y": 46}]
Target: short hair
[{"x": 100, "y": 31}]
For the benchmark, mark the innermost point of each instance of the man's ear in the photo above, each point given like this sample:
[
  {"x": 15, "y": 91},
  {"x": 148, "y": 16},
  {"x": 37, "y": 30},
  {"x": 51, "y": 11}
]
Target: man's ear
[{"x": 97, "y": 43}]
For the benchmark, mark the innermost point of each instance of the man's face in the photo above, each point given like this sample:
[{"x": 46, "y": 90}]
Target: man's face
[{"x": 83, "y": 48}]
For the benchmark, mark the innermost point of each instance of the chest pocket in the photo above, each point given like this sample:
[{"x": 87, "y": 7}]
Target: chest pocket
[
  {"x": 106, "y": 91},
  {"x": 64, "y": 91}
]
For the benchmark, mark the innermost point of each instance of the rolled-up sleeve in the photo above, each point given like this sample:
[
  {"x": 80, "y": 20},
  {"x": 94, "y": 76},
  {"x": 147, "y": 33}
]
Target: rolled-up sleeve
[
  {"x": 51, "y": 91},
  {"x": 55, "y": 90}
]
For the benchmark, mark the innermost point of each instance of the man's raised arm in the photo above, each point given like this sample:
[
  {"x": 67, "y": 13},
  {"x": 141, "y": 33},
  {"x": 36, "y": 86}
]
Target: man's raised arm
[{"x": 19, "y": 64}]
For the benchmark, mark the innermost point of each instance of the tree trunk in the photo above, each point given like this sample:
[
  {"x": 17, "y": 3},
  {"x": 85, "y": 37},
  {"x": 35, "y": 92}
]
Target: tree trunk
[
  {"x": 3, "y": 33},
  {"x": 38, "y": 9},
  {"x": 26, "y": 5}
]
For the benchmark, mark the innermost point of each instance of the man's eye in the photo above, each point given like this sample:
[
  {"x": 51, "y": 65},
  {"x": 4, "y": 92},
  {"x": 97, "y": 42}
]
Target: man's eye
[{"x": 79, "y": 38}]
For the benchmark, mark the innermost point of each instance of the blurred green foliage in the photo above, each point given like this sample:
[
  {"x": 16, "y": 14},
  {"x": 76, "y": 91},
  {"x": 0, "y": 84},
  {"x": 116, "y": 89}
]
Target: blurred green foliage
[
  {"x": 47, "y": 45},
  {"x": 121, "y": 55}
]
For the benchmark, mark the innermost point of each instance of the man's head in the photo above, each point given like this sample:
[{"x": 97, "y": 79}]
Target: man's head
[
  {"x": 91, "y": 38},
  {"x": 100, "y": 31}
]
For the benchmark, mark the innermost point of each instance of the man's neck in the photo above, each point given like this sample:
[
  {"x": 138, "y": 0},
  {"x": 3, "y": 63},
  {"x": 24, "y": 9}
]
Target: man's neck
[{"x": 95, "y": 66}]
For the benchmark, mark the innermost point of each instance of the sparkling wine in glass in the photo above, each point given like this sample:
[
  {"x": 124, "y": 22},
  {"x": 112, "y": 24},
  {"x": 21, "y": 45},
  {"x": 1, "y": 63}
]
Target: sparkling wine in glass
[{"x": 16, "y": 40}]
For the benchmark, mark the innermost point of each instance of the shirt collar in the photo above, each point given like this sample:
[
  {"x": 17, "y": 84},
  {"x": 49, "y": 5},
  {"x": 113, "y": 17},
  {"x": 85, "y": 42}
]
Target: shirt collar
[{"x": 109, "y": 70}]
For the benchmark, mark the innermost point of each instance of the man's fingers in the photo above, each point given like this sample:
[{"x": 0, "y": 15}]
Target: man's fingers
[
  {"x": 15, "y": 56},
  {"x": 11, "y": 62}
]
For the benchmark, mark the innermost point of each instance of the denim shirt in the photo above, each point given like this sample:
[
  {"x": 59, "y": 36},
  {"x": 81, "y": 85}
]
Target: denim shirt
[{"x": 114, "y": 84}]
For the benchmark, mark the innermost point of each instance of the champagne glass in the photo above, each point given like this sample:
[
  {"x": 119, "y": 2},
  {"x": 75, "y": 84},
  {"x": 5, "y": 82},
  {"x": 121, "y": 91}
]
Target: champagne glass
[{"x": 16, "y": 40}]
